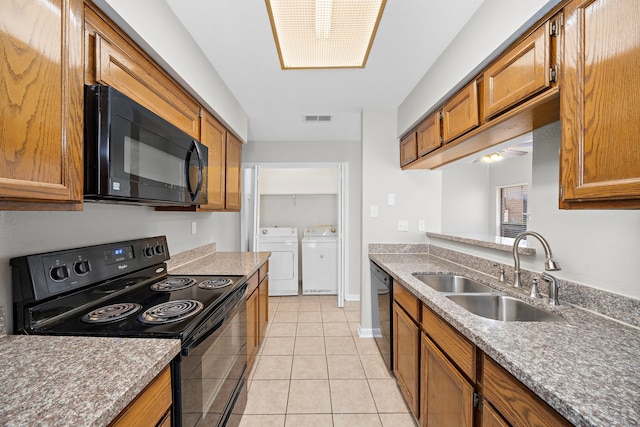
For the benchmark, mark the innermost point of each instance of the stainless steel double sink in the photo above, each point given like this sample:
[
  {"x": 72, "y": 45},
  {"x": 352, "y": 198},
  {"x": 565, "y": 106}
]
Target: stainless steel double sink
[{"x": 485, "y": 301}]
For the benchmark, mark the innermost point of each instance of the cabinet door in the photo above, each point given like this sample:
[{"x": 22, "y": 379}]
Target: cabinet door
[
  {"x": 233, "y": 173},
  {"x": 521, "y": 73},
  {"x": 600, "y": 102},
  {"x": 408, "y": 149},
  {"x": 114, "y": 60},
  {"x": 214, "y": 136},
  {"x": 252, "y": 326},
  {"x": 447, "y": 397},
  {"x": 41, "y": 107},
  {"x": 490, "y": 417},
  {"x": 460, "y": 113},
  {"x": 263, "y": 307},
  {"x": 429, "y": 135},
  {"x": 406, "y": 356}
]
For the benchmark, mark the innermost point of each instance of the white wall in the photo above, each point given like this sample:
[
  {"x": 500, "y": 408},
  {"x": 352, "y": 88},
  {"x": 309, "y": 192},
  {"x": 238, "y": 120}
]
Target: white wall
[
  {"x": 465, "y": 199},
  {"x": 315, "y": 152},
  {"x": 492, "y": 24},
  {"x": 417, "y": 195},
  {"x": 163, "y": 36}
]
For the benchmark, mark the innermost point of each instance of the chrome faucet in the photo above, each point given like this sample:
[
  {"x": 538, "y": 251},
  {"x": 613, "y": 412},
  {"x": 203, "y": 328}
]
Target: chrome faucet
[
  {"x": 553, "y": 288},
  {"x": 549, "y": 265}
]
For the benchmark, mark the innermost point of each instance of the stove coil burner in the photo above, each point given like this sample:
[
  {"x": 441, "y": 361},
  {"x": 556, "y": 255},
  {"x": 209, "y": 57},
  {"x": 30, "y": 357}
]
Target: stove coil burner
[
  {"x": 173, "y": 284},
  {"x": 111, "y": 313},
  {"x": 171, "y": 311},
  {"x": 219, "y": 282}
]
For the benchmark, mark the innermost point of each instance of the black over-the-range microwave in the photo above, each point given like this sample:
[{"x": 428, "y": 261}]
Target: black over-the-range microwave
[{"x": 133, "y": 155}]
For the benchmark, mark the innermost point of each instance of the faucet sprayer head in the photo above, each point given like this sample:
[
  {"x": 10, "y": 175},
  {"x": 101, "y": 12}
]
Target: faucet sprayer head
[{"x": 551, "y": 265}]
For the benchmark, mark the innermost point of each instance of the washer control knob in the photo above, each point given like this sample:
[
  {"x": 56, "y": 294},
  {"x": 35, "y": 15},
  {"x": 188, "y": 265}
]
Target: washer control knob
[
  {"x": 159, "y": 249},
  {"x": 148, "y": 251},
  {"x": 81, "y": 267},
  {"x": 59, "y": 273}
]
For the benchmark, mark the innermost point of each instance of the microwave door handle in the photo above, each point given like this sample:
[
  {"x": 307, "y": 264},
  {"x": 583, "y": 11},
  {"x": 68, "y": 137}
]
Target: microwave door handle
[{"x": 194, "y": 147}]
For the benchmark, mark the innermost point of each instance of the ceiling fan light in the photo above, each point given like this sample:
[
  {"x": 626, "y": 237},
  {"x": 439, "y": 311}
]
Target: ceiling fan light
[{"x": 324, "y": 33}]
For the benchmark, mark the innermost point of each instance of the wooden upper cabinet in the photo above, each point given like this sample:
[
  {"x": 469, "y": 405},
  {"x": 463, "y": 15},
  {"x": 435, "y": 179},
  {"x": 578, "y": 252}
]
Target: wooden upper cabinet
[
  {"x": 600, "y": 105},
  {"x": 41, "y": 106},
  {"x": 429, "y": 135},
  {"x": 460, "y": 114},
  {"x": 233, "y": 174},
  {"x": 408, "y": 149},
  {"x": 214, "y": 137},
  {"x": 521, "y": 72},
  {"x": 113, "y": 60}
]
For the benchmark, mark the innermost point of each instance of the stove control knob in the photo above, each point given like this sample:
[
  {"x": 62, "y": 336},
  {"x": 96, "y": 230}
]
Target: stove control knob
[
  {"x": 148, "y": 251},
  {"x": 81, "y": 267},
  {"x": 59, "y": 273},
  {"x": 159, "y": 249}
]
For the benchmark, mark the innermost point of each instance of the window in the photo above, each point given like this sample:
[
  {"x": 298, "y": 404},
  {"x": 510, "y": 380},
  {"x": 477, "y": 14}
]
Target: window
[{"x": 513, "y": 210}]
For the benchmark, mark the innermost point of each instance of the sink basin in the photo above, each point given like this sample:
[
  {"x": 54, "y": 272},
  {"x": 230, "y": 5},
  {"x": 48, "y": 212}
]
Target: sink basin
[
  {"x": 503, "y": 308},
  {"x": 452, "y": 283}
]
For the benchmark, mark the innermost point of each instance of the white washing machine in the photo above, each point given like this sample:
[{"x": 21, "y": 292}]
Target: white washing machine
[
  {"x": 320, "y": 260},
  {"x": 282, "y": 242}
]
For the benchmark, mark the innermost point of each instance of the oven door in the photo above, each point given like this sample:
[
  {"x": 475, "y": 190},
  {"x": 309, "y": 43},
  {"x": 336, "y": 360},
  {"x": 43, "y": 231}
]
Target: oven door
[{"x": 212, "y": 371}]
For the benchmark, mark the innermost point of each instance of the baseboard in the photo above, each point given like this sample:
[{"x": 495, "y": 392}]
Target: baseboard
[{"x": 369, "y": 332}]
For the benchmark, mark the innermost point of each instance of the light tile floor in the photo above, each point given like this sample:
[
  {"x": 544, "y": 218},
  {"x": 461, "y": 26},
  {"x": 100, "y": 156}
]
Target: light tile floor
[{"x": 314, "y": 370}]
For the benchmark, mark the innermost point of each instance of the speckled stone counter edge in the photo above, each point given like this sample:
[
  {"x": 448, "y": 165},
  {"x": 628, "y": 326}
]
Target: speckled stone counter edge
[
  {"x": 485, "y": 242},
  {"x": 190, "y": 256},
  {"x": 2, "y": 322},
  {"x": 618, "y": 307}
]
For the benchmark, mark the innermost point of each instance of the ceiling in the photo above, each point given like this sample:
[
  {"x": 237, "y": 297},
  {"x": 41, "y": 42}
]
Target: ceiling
[{"x": 237, "y": 39}]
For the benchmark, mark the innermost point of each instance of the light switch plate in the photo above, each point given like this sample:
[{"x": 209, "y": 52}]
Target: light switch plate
[
  {"x": 194, "y": 227},
  {"x": 403, "y": 225},
  {"x": 391, "y": 199},
  {"x": 373, "y": 211}
]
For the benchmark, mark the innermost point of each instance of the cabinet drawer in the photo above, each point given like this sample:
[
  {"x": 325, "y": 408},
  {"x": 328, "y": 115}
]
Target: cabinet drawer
[
  {"x": 263, "y": 271},
  {"x": 460, "y": 113},
  {"x": 459, "y": 349},
  {"x": 521, "y": 73},
  {"x": 252, "y": 284},
  {"x": 429, "y": 135},
  {"x": 515, "y": 402},
  {"x": 406, "y": 300},
  {"x": 151, "y": 405},
  {"x": 408, "y": 149}
]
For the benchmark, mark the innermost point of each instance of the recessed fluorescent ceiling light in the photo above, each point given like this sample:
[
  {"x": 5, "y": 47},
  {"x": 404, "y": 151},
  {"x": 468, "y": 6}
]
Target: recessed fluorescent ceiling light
[{"x": 324, "y": 33}]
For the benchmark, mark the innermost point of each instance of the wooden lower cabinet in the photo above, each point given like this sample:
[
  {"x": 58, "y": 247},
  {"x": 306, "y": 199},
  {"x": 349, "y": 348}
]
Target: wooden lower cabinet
[
  {"x": 491, "y": 417},
  {"x": 446, "y": 396},
  {"x": 516, "y": 403},
  {"x": 257, "y": 310},
  {"x": 152, "y": 407},
  {"x": 406, "y": 356}
]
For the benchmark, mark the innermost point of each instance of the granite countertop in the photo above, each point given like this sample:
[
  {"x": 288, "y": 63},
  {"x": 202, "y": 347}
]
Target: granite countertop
[
  {"x": 82, "y": 381},
  {"x": 219, "y": 263},
  {"x": 587, "y": 368}
]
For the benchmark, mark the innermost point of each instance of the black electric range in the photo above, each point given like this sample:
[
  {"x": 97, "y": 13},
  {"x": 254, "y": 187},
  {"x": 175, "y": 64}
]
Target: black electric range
[{"x": 122, "y": 289}]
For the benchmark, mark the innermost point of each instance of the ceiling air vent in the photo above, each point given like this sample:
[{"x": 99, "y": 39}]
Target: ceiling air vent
[{"x": 309, "y": 118}]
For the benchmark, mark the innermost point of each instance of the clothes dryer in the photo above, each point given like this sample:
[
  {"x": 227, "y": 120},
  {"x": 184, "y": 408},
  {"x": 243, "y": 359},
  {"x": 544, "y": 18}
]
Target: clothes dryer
[
  {"x": 282, "y": 242},
  {"x": 320, "y": 260}
]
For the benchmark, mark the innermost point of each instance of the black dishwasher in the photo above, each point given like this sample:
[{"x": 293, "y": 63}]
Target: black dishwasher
[{"x": 382, "y": 301}]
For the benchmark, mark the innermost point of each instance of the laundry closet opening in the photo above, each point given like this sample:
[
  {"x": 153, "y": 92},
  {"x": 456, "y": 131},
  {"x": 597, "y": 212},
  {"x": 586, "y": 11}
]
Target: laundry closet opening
[{"x": 297, "y": 212}]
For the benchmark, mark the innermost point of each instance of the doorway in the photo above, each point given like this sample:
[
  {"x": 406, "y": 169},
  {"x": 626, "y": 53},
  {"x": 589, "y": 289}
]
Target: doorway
[{"x": 297, "y": 195}]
